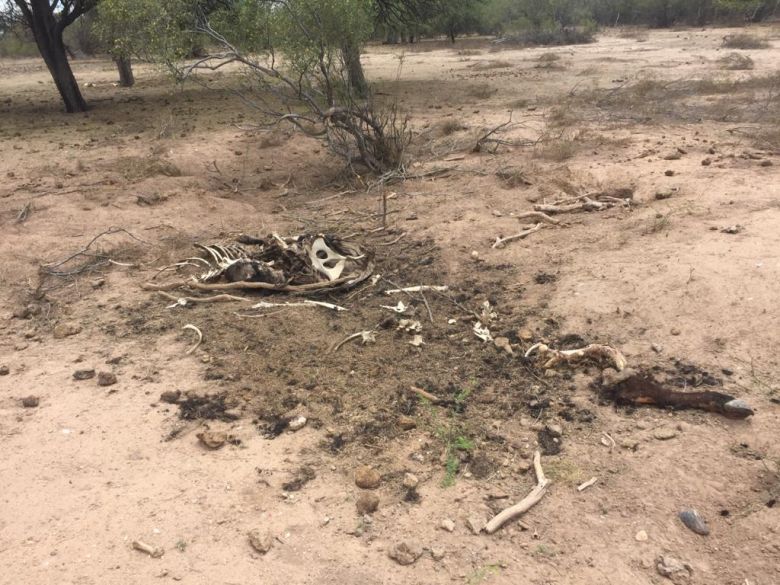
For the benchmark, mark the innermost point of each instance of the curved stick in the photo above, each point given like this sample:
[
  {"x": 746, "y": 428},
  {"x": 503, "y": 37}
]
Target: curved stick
[{"x": 526, "y": 503}]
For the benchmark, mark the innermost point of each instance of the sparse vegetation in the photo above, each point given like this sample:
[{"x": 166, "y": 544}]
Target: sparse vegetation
[
  {"x": 736, "y": 62},
  {"x": 744, "y": 41}
]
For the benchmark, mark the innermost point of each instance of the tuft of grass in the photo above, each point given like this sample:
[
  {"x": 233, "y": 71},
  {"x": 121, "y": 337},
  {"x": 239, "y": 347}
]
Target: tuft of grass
[
  {"x": 481, "y": 92},
  {"x": 744, "y": 41},
  {"x": 488, "y": 65},
  {"x": 558, "y": 150},
  {"x": 513, "y": 177},
  {"x": 448, "y": 127},
  {"x": 454, "y": 438},
  {"x": 549, "y": 57},
  {"x": 736, "y": 62}
]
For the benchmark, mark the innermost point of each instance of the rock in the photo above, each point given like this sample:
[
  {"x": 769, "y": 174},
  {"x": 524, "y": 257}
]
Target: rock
[
  {"x": 680, "y": 573},
  {"x": 437, "y": 553},
  {"x": 664, "y": 433},
  {"x": 83, "y": 374},
  {"x": 525, "y": 334},
  {"x": 367, "y": 478},
  {"x": 297, "y": 423},
  {"x": 669, "y": 173},
  {"x": 63, "y": 330},
  {"x": 405, "y": 553},
  {"x": 661, "y": 195},
  {"x": 554, "y": 430},
  {"x": 21, "y": 313},
  {"x": 106, "y": 379},
  {"x": 170, "y": 396},
  {"x": 261, "y": 542},
  {"x": 475, "y": 523},
  {"x": 212, "y": 439},
  {"x": 447, "y": 525},
  {"x": 4, "y": 370},
  {"x": 641, "y": 536},
  {"x": 675, "y": 331},
  {"x": 502, "y": 343},
  {"x": 410, "y": 481},
  {"x": 630, "y": 444},
  {"x": 693, "y": 521},
  {"x": 30, "y": 401},
  {"x": 657, "y": 348},
  {"x": 367, "y": 503},
  {"x": 407, "y": 423}
]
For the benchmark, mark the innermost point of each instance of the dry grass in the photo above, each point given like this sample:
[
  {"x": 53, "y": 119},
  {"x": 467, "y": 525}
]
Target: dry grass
[
  {"x": 559, "y": 149},
  {"x": 481, "y": 92},
  {"x": 637, "y": 34},
  {"x": 513, "y": 177},
  {"x": 549, "y": 57},
  {"x": 736, "y": 62},
  {"x": 744, "y": 41},
  {"x": 489, "y": 65},
  {"x": 273, "y": 138},
  {"x": 448, "y": 127},
  {"x": 469, "y": 52},
  {"x": 134, "y": 168}
]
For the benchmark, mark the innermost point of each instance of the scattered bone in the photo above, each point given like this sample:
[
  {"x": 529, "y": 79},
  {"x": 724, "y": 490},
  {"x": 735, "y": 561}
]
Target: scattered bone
[
  {"x": 592, "y": 351},
  {"x": 482, "y": 332},
  {"x": 367, "y": 336},
  {"x": 409, "y": 326},
  {"x": 528, "y": 502},
  {"x": 153, "y": 551},
  {"x": 586, "y": 484},
  {"x": 184, "y": 301},
  {"x": 399, "y": 308},
  {"x": 416, "y": 341},
  {"x": 420, "y": 288},
  {"x": 425, "y": 394},
  {"x": 297, "y": 423},
  {"x": 307, "y": 303},
  {"x": 502, "y": 343},
  {"x": 200, "y": 337},
  {"x": 500, "y": 242},
  {"x": 538, "y": 215}
]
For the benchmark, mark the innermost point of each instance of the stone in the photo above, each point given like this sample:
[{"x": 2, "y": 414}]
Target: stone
[
  {"x": 30, "y": 401},
  {"x": 367, "y": 503},
  {"x": 367, "y": 478},
  {"x": 657, "y": 348},
  {"x": 475, "y": 523},
  {"x": 106, "y": 379},
  {"x": 525, "y": 334},
  {"x": 664, "y": 433},
  {"x": 261, "y": 542},
  {"x": 641, "y": 536},
  {"x": 63, "y": 330},
  {"x": 4, "y": 370},
  {"x": 678, "y": 572},
  {"x": 407, "y": 423},
  {"x": 437, "y": 553},
  {"x": 297, "y": 423},
  {"x": 84, "y": 374},
  {"x": 447, "y": 525},
  {"x": 630, "y": 444},
  {"x": 675, "y": 331},
  {"x": 694, "y": 521},
  {"x": 405, "y": 553},
  {"x": 503, "y": 344},
  {"x": 554, "y": 430},
  {"x": 212, "y": 439},
  {"x": 410, "y": 481}
]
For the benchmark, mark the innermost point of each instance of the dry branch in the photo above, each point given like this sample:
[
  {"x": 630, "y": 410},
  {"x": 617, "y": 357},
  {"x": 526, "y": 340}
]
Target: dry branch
[
  {"x": 528, "y": 502},
  {"x": 499, "y": 243}
]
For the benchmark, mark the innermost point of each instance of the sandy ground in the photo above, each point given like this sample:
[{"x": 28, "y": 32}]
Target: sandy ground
[{"x": 93, "y": 468}]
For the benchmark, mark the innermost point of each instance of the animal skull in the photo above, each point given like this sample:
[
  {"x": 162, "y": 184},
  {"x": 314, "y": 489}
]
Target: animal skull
[{"x": 326, "y": 260}]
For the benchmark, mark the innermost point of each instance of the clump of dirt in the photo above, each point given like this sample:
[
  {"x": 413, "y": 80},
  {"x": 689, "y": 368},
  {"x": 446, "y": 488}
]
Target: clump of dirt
[
  {"x": 300, "y": 478},
  {"x": 208, "y": 407}
]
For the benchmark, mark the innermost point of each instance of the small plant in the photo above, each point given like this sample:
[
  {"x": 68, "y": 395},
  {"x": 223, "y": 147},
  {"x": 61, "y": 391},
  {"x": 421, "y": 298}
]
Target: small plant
[
  {"x": 744, "y": 41},
  {"x": 482, "y": 574},
  {"x": 736, "y": 61},
  {"x": 454, "y": 438},
  {"x": 181, "y": 545}
]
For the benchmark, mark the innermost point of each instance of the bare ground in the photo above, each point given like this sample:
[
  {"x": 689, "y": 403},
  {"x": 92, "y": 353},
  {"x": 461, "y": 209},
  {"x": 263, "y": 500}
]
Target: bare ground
[{"x": 93, "y": 468}]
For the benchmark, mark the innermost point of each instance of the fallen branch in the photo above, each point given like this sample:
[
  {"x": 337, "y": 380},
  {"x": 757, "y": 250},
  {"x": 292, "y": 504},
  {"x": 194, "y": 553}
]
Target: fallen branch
[
  {"x": 432, "y": 398},
  {"x": 367, "y": 336},
  {"x": 200, "y": 337},
  {"x": 528, "y": 502},
  {"x": 592, "y": 351},
  {"x": 420, "y": 288},
  {"x": 539, "y": 216},
  {"x": 500, "y": 242}
]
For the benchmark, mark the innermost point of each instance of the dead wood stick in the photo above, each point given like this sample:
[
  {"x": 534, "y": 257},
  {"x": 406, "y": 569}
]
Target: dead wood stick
[
  {"x": 200, "y": 337},
  {"x": 499, "y": 243},
  {"x": 427, "y": 306},
  {"x": 539, "y": 216},
  {"x": 153, "y": 551},
  {"x": 528, "y": 502},
  {"x": 586, "y": 484},
  {"x": 425, "y": 394},
  {"x": 364, "y": 334},
  {"x": 395, "y": 241},
  {"x": 215, "y": 299}
]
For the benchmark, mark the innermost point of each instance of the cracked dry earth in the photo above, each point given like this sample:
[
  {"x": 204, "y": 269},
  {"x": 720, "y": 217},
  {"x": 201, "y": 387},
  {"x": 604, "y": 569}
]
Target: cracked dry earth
[{"x": 88, "y": 469}]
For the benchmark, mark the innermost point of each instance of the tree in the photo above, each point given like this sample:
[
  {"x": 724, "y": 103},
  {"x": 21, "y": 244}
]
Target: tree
[{"x": 47, "y": 20}]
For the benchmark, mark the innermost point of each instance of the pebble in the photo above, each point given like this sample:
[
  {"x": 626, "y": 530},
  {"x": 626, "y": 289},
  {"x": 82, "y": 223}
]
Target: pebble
[
  {"x": 4, "y": 370},
  {"x": 106, "y": 379},
  {"x": 261, "y": 542},
  {"x": 437, "y": 553},
  {"x": 525, "y": 334},
  {"x": 641, "y": 536},
  {"x": 212, "y": 439},
  {"x": 63, "y": 330},
  {"x": 297, "y": 423},
  {"x": 367, "y": 478},
  {"x": 554, "y": 430},
  {"x": 83, "y": 374},
  {"x": 407, "y": 423},
  {"x": 680, "y": 573},
  {"x": 447, "y": 525},
  {"x": 502, "y": 343},
  {"x": 664, "y": 433},
  {"x": 405, "y": 553},
  {"x": 693, "y": 521},
  {"x": 630, "y": 444},
  {"x": 475, "y": 524},
  {"x": 657, "y": 348},
  {"x": 410, "y": 481},
  {"x": 367, "y": 503},
  {"x": 675, "y": 331},
  {"x": 30, "y": 401}
]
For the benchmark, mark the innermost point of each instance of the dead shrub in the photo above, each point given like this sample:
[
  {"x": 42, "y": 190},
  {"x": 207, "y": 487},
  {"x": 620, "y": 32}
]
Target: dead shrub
[
  {"x": 513, "y": 177},
  {"x": 744, "y": 41},
  {"x": 736, "y": 62},
  {"x": 134, "y": 168},
  {"x": 481, "y": 92},
  {"x": 559, "y": 149},
  {"x": 448, "y": 127}
]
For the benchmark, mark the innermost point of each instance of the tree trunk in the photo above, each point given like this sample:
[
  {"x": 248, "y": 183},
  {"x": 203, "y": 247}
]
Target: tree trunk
[
  {"x": 355, "y": 77},
  {"x": 125, "y": 68},
  {"x": 48, "y": 37},
  {"x": 452, "y": 36}
]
